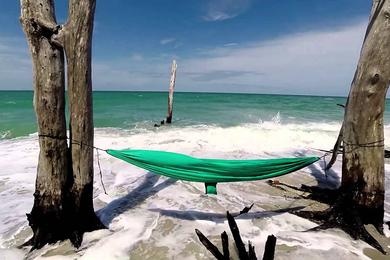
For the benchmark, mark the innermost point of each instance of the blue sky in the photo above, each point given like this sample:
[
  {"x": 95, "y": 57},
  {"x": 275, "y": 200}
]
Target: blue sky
[{"x": 256, "y": 46}]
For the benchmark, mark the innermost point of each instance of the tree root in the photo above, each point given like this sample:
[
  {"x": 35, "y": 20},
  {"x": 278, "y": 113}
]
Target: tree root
[
  {"x": 341, "y": 214},
  {"x": 355, "y": 229},
  {"x": 50, "y": 227}
]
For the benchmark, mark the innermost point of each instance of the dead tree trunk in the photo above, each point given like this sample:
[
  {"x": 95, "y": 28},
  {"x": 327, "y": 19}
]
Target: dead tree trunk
[
  {"x": 171, "y": 89},
  {"x": 63, "y": 198},
  {"x": 77, "y": 41},
  {"x": 47, "y": 216},
  {"x": 360, "y": 199},
  {"x": 363, "y": 154},
  {"x": 340, "y": 136}
]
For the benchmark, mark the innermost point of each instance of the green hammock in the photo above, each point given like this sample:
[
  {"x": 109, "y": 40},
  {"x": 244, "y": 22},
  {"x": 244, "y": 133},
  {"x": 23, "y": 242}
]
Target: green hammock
[{"x": 210, "y": 171}]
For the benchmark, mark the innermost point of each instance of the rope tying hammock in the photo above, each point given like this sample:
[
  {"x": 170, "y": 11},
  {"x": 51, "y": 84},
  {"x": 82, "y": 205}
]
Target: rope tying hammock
[{"x": 210, "y": 171}]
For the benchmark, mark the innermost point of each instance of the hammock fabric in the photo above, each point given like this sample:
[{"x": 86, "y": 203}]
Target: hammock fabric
[{"x": 210, "y": 171}]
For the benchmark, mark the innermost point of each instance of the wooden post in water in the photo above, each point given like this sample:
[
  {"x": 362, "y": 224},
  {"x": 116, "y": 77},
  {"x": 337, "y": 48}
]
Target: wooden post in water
[{"x": 171, "y": 88}]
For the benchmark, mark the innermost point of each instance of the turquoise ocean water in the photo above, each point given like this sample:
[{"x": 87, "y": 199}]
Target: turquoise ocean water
[
  {"x": 143, "y": 210},
  {"x": 141, "y": 110},
  {"x": 130, "y": 110}
]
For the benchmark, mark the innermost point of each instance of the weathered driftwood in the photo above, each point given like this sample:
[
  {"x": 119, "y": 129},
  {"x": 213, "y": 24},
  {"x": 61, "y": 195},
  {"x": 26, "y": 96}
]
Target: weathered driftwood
[
  {"x": 171, "y": 89},
  {"x": 169, "y": 117},
  {"x": 63, "y": 198},
  {"x": 242, "y": 252}
]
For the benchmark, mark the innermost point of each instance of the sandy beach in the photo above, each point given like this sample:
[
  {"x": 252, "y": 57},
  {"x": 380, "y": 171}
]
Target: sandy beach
[{"x": 152, "y": 217}]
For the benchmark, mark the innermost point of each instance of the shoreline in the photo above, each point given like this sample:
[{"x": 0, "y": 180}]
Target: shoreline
[{"x": 148, "y": 215}]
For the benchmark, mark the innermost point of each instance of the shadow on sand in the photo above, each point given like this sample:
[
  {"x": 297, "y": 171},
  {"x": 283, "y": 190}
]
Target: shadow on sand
[
  {"x": 135, "y": 197},
  {"x": 219, "y": 217},
  {"x": 330, "y": 179},
  {"x": 147, "y": 189}
]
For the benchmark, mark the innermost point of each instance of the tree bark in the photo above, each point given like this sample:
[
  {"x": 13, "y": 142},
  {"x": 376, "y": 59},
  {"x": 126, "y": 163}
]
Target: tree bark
[
  {"x": 63, "y": 204},
  {"x": 363, "y": 154},
  {"x": 171, "y": 89},
  {"x": 47, "y": 215},
  {"x": 77, "y": 42}
]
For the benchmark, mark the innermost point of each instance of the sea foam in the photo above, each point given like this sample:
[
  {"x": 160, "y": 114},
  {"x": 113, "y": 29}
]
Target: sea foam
[{"x": 154, "y": 217}]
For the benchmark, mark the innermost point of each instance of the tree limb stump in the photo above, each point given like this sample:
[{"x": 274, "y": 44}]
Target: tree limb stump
[
  {"x": 242, "y": 253},
  {"x": 269, "y": 251}
]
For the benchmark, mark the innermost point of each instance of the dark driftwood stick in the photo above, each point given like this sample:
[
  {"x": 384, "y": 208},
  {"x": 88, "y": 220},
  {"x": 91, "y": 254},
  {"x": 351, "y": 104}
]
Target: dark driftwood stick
[
  {"x": 237, "y": 237},
  {"x": 251, "y": 251},
  {"x": 269, "y": 251},
  {"x": 246, "y": 209},
  {"x": 210, "y": 246},
  {"x": 336, "y": 149},
  {"x": 337, "y": 145},
  {"x": 243, "y": 254},
  {"x": 225, "y": 245}
]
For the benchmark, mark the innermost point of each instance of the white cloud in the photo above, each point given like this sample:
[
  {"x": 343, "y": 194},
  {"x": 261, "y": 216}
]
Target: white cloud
[
  {"x": 136, "y": 57},
  {"x": 167, "y": 40},
  {"x": 315, "y": 62},
  {"x": 220, "y": 10},
  {"x": 15, "y": 64},
  {"x": 230, "y": 44}
]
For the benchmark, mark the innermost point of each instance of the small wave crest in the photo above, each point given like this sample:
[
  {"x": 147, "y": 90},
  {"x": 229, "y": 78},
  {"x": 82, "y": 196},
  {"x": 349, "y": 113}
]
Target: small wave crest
[
  {"x": 254, "y": 138},
  {"x": 5, "y": 134},
  {"x": 277, "y": 119}
]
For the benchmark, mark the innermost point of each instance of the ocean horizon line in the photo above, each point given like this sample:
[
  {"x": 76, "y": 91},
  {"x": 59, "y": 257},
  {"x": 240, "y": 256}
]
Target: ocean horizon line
[{"x": 196, "y": 92}]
